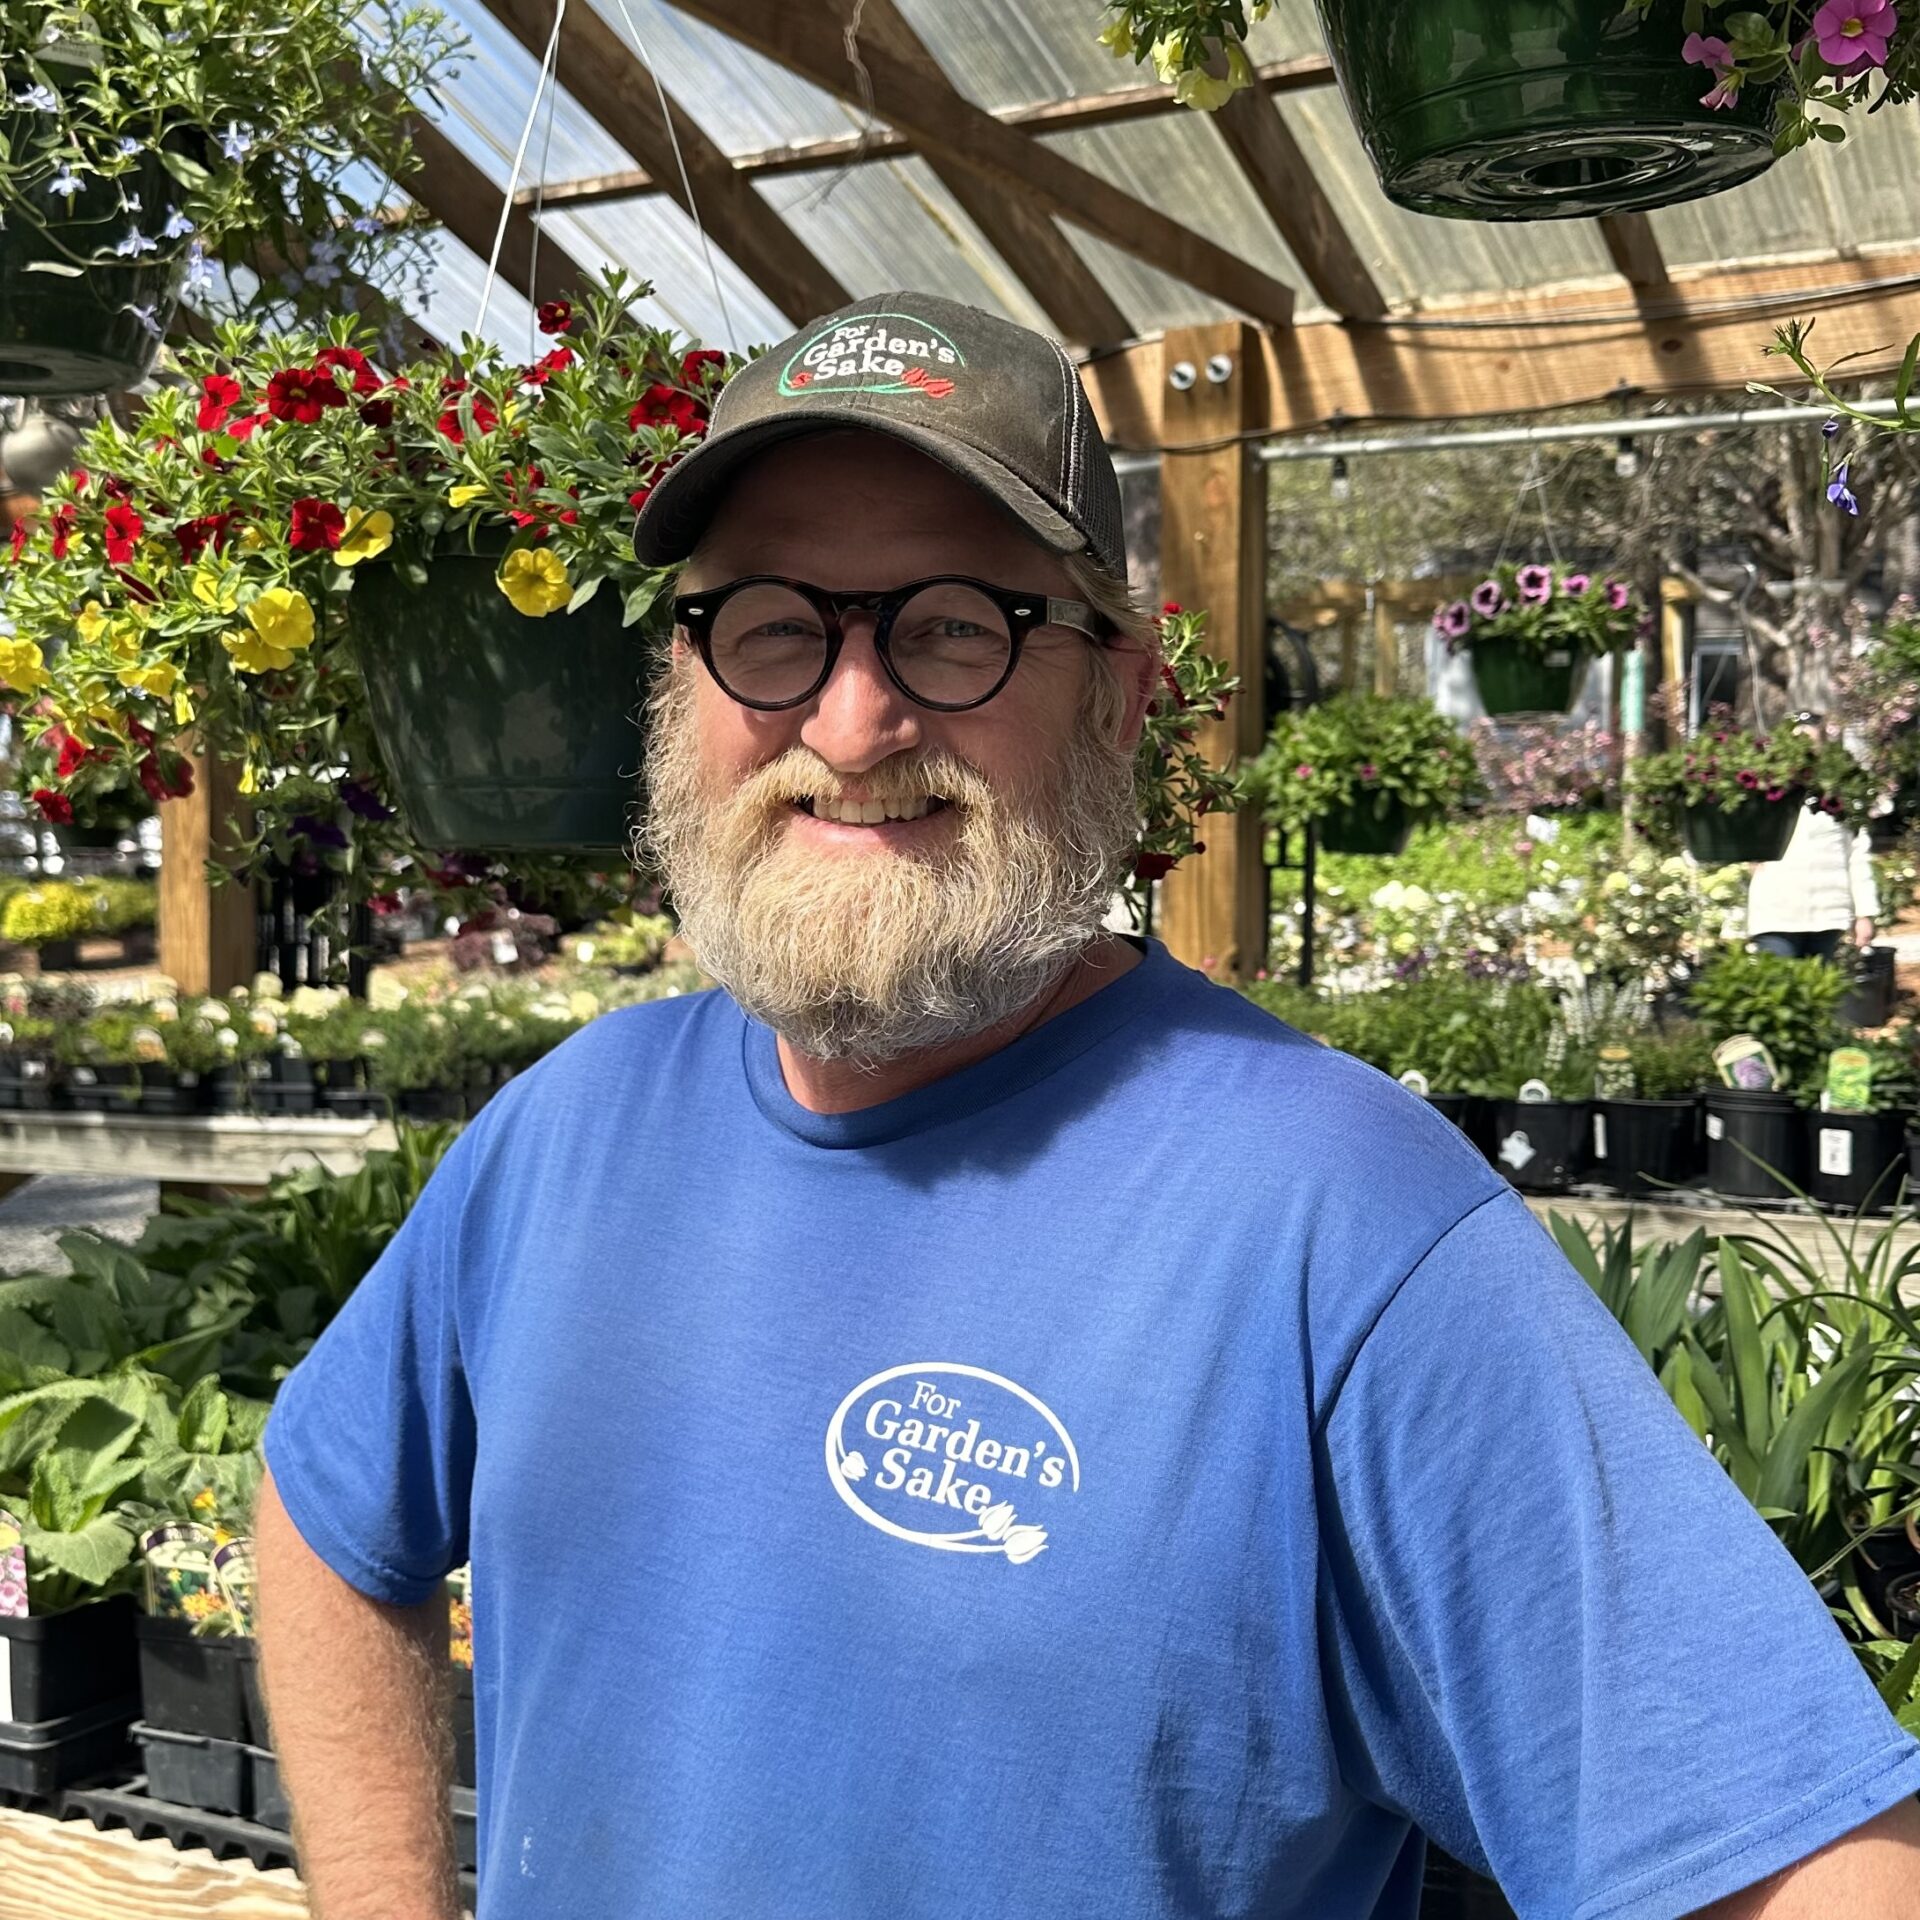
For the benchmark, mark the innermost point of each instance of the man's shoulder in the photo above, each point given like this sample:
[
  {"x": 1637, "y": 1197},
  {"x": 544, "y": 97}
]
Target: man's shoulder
[{"x": 619, "y": 1049}]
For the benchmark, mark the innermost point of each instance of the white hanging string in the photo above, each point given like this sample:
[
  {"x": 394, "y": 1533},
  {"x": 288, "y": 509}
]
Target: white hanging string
[
  {"x": 686, "y": 184},
  {"x": 539, "y": 206},
  {"x": 519, "y": 158}
]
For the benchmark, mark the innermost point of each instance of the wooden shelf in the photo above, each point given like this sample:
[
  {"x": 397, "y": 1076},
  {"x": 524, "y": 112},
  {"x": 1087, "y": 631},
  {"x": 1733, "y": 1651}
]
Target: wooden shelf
[{"x": 206, "y": 1149}]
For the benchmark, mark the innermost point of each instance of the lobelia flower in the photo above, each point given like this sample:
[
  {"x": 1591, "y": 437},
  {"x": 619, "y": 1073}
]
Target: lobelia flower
[
  {"x": 1487, "y": 599},
  {"x": 535, "y": 581},
  {"x": 66, "y": 183},
  {"x": 1535, "y": 583},
  {"x": 1852, "y": 35},
  {"x": 236, "y": 143},
  {"x": 199, "y": 270},
  {"x": 178, "y": 225},
  {"x": 135, "y": 244},
  {"x": 41, "y": 99},
  {"x": 1839, "y": 493}
]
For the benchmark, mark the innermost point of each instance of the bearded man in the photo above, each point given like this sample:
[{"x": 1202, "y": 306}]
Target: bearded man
[{"x": 970, "y": 1421}]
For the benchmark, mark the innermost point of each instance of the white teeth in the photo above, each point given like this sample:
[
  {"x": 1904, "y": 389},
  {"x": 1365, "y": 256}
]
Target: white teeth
[{"x": 870, "y": 813}]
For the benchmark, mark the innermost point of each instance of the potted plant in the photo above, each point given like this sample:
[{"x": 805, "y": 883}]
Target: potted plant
[
  {"x": 1541, "y": 1091},
  {"x": 414, "y": 589},
  {"x": 1531, "y": 629},
  {"x": 1732, "y": 796},
  {"x": 420, "y": 1064},
  {"x": 28, "y": 1062},
  {"x": 1856, "y": 1151},
  {"x": 53, "y": 917},
  {"x": 1364, "y": 771},
  {"x": 1646, "y": 1138},
  {"x": 203, "y": 1046},
  {"x": 1756, "y": 1134},
  {"x": 139, "y": 151},
  {"x": 101, "y": 1060},
  {"x": 330, "y": 1028}
]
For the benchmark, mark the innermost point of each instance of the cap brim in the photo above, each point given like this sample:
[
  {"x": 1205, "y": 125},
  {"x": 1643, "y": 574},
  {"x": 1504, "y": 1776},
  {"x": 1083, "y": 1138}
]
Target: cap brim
[{"x": 685, "y": 498}]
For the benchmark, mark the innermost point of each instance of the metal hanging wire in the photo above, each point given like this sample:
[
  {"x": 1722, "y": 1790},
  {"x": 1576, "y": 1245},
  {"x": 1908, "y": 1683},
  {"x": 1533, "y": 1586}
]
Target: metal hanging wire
[{"x": 546, "y": 79}]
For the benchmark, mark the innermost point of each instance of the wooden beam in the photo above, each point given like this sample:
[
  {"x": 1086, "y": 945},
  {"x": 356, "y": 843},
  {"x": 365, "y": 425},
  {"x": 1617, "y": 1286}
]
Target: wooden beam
[
  {"x": 1270, "y": 160},
  {"x": 209, "y": 933},
  {"x": 607, "y": 78},
  {"x": 467, "y": 204},
  {"x": 947, "y": 127},
  {"x": 1038, "y": 254},
  {"x": 1636, "y": 252},
  {"x": 871, "y": 144},
  {"x": 1213, "y": 906},
  {"x": 1706, "y": 334}
]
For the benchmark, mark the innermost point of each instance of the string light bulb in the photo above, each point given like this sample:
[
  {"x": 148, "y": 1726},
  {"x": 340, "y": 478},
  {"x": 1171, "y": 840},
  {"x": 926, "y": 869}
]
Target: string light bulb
[
  {"x": 1626, "y": 457},
  {"x": 1339, "y": 481}
]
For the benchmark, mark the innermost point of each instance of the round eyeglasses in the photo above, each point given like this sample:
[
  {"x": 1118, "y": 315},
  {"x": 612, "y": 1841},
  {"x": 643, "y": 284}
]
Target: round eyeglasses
[{"x": 948, "y": 643}]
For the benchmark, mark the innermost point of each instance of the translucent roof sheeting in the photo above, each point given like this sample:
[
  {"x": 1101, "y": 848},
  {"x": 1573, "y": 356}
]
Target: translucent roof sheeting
[{"x": 892, "y": 223}]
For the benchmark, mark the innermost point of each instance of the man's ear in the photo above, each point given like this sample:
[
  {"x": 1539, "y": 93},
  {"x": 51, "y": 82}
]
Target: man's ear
[{"x": 1137, "y": 668}]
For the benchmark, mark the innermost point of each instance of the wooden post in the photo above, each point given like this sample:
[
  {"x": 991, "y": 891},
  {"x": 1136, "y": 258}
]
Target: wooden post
[
  {"x": 208, "y": 934},
  {"x": 1213, "y": 557},
  {"x": 1386, "y": 645},
  {"x": 1675, "y": 597}
]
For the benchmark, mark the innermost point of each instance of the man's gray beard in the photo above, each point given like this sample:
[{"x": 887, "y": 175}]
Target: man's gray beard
[{"x": 866, "y": 957}]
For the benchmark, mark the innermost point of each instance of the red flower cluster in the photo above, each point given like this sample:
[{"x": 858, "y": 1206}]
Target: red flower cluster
[
  {"x": 195, "y": 536},
  {"x": 665, "y": 406},
  {"x": 303, "y": 394},
  {"x": 365, "y": 380},
  {"x": 53, "y": 806},
  {"x": 694, "y": 368},
  {"x": 450, "y": 423},
  {"x": 317, "y": 526},
  {"x": 73, "y": 754},
  {"x": 124, "y": 528},
  {"x": 547, "y": 366},
  {"x": 164, "y": 776},
  {"x": 220, "y": 393}
]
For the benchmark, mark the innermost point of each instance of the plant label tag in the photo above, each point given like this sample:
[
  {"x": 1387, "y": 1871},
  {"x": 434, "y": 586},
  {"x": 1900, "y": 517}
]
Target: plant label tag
[
  {"x": 1535, "y": 1093},
  {"x": 1415, "y": 1082},
  {"x": 1599, "y": 1136},
  {"x": 233, "y": 1570},
  {"x": 1516, "y": 1150},
  {"x": 1836, "y": 1151},
  {"x": 1716, "y": 1127},
  {"x": 13, "y": 1583},
  {"x": 1849, "y": 1080},
  {"x": 85, "y": 1077},
  {"x": 31, "y": 1069},
  {"x": 505, "y": 950},
  {"x": 1744, "y": 1062},
  {"x": 179, "y": 1571}
]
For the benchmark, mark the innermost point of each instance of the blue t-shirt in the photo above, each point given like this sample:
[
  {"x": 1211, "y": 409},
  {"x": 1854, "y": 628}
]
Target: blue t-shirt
[{"x": 1157, "y": 1471}]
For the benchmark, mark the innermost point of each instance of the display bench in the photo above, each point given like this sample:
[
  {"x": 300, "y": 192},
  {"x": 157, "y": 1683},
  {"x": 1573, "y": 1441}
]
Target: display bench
[{"x": 196, "y": 1150}]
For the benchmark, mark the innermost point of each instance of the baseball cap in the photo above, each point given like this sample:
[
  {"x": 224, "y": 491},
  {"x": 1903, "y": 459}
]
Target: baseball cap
[{"x": 997, "y": 405}]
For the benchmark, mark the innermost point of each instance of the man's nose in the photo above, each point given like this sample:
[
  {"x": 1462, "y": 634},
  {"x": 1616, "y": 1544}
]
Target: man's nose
[{"x": 860, "y": 717}]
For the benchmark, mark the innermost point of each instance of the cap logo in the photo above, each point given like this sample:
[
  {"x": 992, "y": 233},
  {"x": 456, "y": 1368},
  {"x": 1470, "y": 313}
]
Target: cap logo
[{"x": 875, "y": 353}]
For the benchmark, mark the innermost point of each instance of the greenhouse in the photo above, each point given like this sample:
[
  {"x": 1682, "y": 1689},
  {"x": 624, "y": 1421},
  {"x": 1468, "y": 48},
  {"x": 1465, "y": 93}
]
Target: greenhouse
[{"x": 1210, "y": 706}]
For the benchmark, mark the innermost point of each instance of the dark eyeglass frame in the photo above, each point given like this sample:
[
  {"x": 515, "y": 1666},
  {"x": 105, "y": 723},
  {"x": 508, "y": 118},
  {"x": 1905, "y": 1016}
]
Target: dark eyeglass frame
[{"x": 1023, "y": 612}]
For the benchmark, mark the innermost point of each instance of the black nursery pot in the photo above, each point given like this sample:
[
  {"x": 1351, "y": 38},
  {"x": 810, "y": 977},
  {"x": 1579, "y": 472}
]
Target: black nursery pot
[
  {"x": 1913, "y": 1163},
  {"x": 101, "y": 1089},
  {"x": 1453, "y": 1892},
  {"x": 1754, "y": 1142},
  {"x": 1540, "y": 1145},
  {"x": 1856, "y": 1159},
  {"x": 340, "y": 1088},
  {"x": 164, "y": 1092},
  {"x": 287, "y": 1088},
  {"x": 194, "y": 1770},
  {"x": 465, "y": 1747},
  {"x": 1869, "y": 1001},
  {"x": 38, "y": 1080},
  {"x": 1467, "y": 1111},
  {"x": 1643, "y": 1148},
  {"x": 62, "y": 1663},
  {"x": 433, "y": 1103},
  {"x": 191, "y": 1683}
]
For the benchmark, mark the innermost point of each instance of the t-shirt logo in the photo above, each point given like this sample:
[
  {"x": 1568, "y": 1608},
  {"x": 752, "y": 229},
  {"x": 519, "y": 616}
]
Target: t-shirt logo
[
  {"x": 952, "y": 1457},
  {"x": 877, "y": 353}
]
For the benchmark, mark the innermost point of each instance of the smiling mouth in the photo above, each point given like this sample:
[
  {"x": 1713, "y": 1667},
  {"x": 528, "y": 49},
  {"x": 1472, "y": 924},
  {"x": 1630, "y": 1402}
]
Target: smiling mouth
[{"x": 871, "y": 813}]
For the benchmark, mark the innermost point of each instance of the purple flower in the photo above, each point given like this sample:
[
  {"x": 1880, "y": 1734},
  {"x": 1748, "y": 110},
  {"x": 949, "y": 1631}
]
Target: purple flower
[
  {"x": 1369, "y": 771},
  {"x": 1455, "y": 620},
  {"x": 1535, "y": 583},
  {"x": 1617, "y": 596},
  {"x": 1576, "y": 583},
  {"x": 1839, "y": 493},
  {"x": 360, "y": 798},
  {"x": 1776, "y": 793},
  {"x": 1852, "y": 35},
  {"x": 1487, "y": 599},
  {"x": 322, "y": 833},
  {"x": 1831, "y": 428},
  {"x": 1706, "y": 50},
  {"x": 1747, "y": 779}
]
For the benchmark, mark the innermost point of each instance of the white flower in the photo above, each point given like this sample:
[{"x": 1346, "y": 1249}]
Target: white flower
[
  {"x": 148, "y": 1045},
  {"x": 226, "y": 1039},
  {"x": 582, "y": 1005},
  {"x": 996, "y": 1520},
  {"x": 212, "y": 1012},
  {"x": 262, "y": 1021},
  {"x": 165, "y": 1010},
  {"x": 1023, "y": 1543},
  {"x": 266, "y": 986}
]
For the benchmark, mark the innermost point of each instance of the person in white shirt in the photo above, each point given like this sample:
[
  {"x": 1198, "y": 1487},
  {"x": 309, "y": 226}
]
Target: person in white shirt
[{"x": 1819, "y": 893}]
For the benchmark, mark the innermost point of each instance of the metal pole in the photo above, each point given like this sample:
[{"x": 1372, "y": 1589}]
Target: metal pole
[{"x": 1309, "y": 849}]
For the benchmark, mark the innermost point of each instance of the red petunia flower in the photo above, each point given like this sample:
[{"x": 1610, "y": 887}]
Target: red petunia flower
[
  {"x": 377, "y": 413},
  {"x": 19, "y": 535},
  {"x": 317, "y": 526},
  {"x": 665, "y": 406},
  {"x": 1154, "y": 866},
  {"x": 547, "y": 366},
  {"x": 556, "y": 316},
  {"x": 219, "y": 395},
  {"x": 693, "y": 369},
  {"x": 303, "y": 394},
  {"x": 60, "y": 523},
  {"x": 484, "y": 421},
  {"x": 124, "y": 528},
  {"x": 365, "y": 380},
  {"x": 1172, "y": 607},
  {"x": 244, "y": 429},
  {"x": 194, "y": 536},
  {"x": 166, "y": 776},
  {"x": 53, "y": 806},
  {"x": 638, "y": 497}
]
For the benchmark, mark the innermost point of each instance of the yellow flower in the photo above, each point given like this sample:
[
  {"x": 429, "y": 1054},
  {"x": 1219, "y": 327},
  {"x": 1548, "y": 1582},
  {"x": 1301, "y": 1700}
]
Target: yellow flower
[
  {"x": 126, "y": 642},
  {"x": 1167, "y": 53},
  {"x": 368, "y": 535},
  {"x": 219, "y": 591},
  {"x": 1202, "y": 91},
  {"x": 182, "y": 707},
  {"x": 204, "y": 1501},
  {"x": 91, "y": 622},
  {"x": 283, "y": 618},
  {"x": 22, "y": 665},
  {"x": 1117, "y": 39},
  {"x": 251, "y": 654},
  {"x": 535, "y": 580},
  {"x": 252, "y": 538},
  {"x": 465, "y": 496},
  {"x": 159, "y": 679}
]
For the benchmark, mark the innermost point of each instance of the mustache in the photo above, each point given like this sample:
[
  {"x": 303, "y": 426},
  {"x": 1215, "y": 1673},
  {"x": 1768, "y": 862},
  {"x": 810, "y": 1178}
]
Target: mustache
[{"x": 801, "y": 775}]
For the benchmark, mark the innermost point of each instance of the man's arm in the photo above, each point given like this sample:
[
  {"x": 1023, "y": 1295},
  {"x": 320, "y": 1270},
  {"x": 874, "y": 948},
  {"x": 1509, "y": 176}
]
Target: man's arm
[
  {"x": 356, "y": 1691},
  {"x": 1872, "y": 1873}
]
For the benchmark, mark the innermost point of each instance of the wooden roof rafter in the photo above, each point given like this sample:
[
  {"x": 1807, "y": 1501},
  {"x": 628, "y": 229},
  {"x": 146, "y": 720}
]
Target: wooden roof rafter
[
  {"x": 945, "y": 125},
  {"x": 613, "y": 85}
]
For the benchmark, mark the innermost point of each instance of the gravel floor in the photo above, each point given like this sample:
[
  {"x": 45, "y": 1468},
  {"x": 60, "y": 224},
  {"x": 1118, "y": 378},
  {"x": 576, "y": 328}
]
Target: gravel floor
[{"x": 33, "y": 1217}]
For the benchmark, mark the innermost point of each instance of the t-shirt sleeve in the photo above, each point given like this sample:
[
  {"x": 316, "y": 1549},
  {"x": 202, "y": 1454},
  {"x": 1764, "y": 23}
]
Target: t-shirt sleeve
[
  {"x": 1557, "y": 1637},
  {"x": 371, "y": 1439}
]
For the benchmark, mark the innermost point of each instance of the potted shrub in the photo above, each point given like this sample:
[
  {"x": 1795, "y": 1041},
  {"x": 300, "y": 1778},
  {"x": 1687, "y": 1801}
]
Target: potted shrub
[
  {"x": 203, "y": 1044},
  {"x": 420, "y": 1065},
  {"x": 1531, "y": 630},
  {"x": 52, "y": 917},
  {"x": 1648, "y": 1141},
  {"x": 139, "y": 151},
  {"x": 28, "y": 1058},
  {"x": 330, "y": 1028},
  {"x": 101, "y": 1059},
  {"x": 1857, "y": 1154},
  {"x": 414, "y": 589},
  {"x": 1364, "y": 771},
  {"x": 1756, "y": 1135},
  {"x": 1541, "y": 1106},
  {"x": 1731, "y": 796}
]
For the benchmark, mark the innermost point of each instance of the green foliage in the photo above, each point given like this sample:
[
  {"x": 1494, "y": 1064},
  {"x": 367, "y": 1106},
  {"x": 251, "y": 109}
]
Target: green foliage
[
  {"x": 1896, "y": 1077},
  {"x": 1358, "y": 749},
  {"x": 419, "y": 1048},
  {"x": 1542, "y": 609},
  {"x": 1727, "y": 769},
  {"x": 1181, "y": 38},
  {"x": 1790, "y": 1005},
  {"x": 1671, "y": 1060}
]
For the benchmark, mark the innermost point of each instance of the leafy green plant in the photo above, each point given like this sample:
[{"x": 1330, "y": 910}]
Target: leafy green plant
[
  {"x": 1790, "y": 1005},
  {"x": 1728, "y": 769},
  {"x": 1542, "y": 610},
  {"x": 1895, "y": 1086},
  {"x": 1359, "y": 751},
  {"x": 53, "y": 910},
  {"x": 421, "y": 1049},
  {"x": 1671, "y": 1060},
  {"x": 1177, "y": 784}
]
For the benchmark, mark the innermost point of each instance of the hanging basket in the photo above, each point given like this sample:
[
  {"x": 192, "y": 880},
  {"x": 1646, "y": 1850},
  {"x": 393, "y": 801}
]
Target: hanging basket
[
  {"x": 1516, "y": 679},
  {"x": 1754, "y": 830},
  {"x": 1537, "y": 109},
  {"x": 97, "y": 329},
  {"x": 1380, "y": 825},
  {"x": 501, "y": 733}
]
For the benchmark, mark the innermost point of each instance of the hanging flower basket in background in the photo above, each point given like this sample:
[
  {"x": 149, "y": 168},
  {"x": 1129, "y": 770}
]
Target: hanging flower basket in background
[{"x": 1531, "y": 630}]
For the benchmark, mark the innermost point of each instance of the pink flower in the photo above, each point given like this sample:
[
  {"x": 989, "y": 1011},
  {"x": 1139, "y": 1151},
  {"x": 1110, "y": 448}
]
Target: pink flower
[
  {"x": 1576, "y": 583},
  {"x": 1723, "y": 93},
  {"x": 1369, "y": 771},
  {"x": 1852, "y": 35},
  {"x": 1303, "y": 772},
  {"x": 1617, "y": 596},
  {"x": 1707, "y": 50},
  {"x": 1535, "y": 583}
]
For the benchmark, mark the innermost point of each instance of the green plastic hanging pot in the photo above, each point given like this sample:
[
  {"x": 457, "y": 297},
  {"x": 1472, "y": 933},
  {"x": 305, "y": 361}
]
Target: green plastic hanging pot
[
  {"x": 502, "y": 733},
  {"x": 1517, "y": 679},
  {"x": 1538, "y": 109},
  {"x": 89, "y": 328},
  {"x": 1754, "y": 830},
  {"x": 1380, "y": 825}
]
